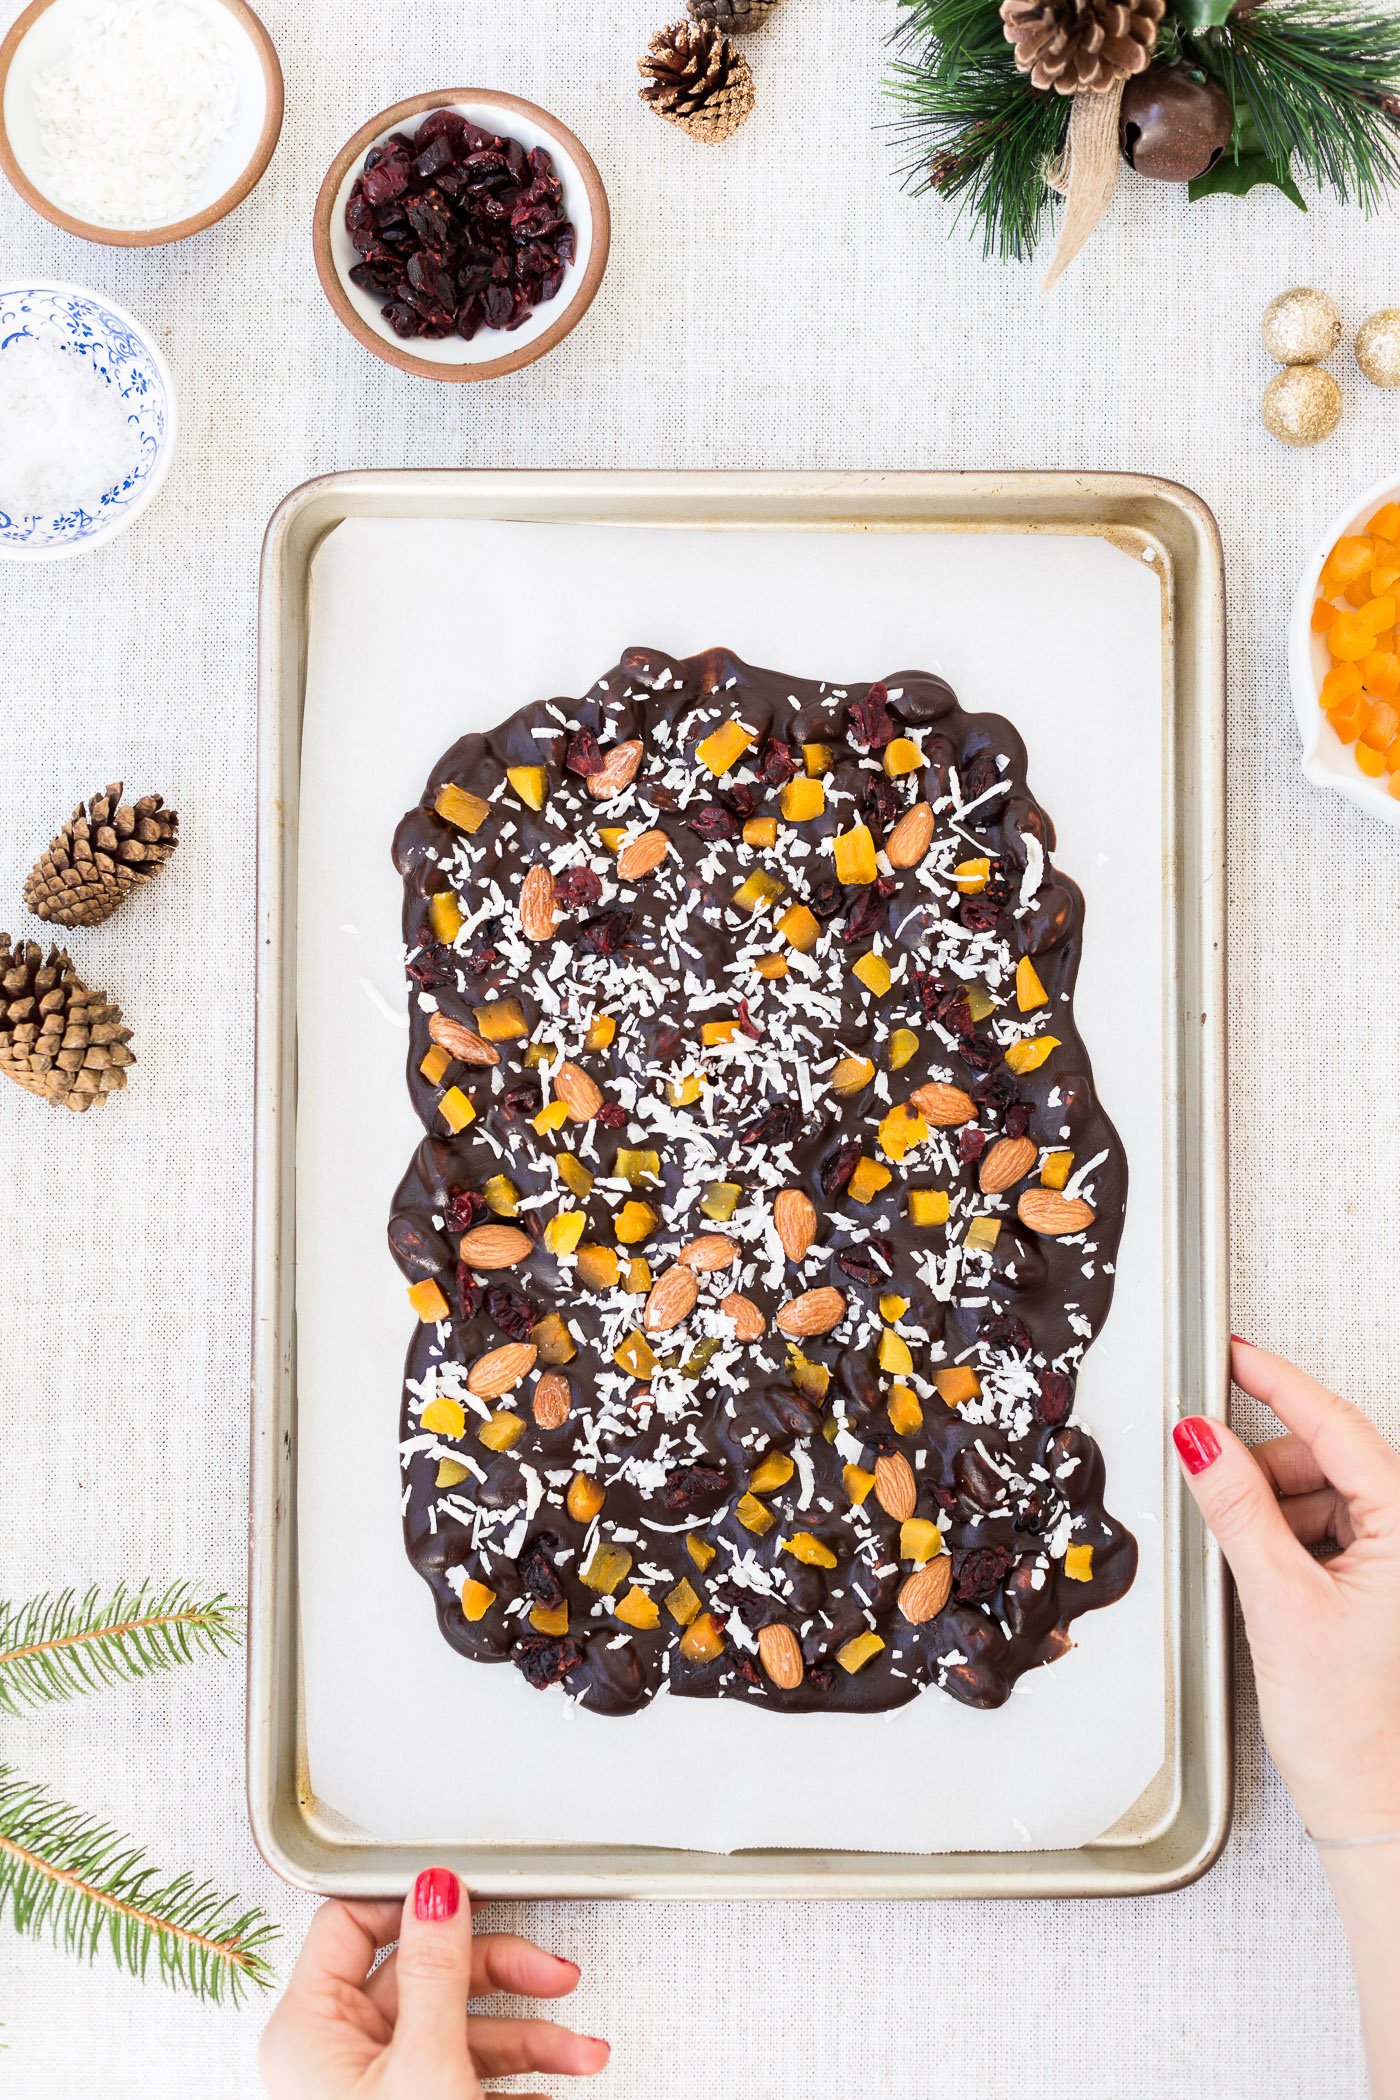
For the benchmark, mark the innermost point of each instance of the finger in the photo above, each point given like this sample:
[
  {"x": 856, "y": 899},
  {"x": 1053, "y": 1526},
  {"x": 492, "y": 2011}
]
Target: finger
[
  {"x": 433, "y": 1964},
  {"x": 1289, "y": 1466},
  {"x": 1319, "y": 1518},
  {"x": 505, "y": 2048},
  {"x": 1349, "y": 1449},
  {"x": 1242, "y": 1511},
  {"x": 341, "y": 1944},
  {"x": 500, "y": 1962}
]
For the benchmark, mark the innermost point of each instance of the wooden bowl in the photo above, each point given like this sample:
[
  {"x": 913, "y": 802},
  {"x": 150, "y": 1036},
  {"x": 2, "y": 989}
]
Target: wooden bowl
[
  {"x": 452, "y": 358},
  {"x": 236, "y": 166}
]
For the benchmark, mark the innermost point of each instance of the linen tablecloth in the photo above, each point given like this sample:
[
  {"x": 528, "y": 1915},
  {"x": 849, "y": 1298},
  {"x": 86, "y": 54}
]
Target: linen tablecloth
[{"x": 773, "y": 303}]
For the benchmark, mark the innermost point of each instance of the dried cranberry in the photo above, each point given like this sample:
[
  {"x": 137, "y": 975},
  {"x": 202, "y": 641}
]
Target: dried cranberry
[
  {"x": 747, "y": 1024},
  {"x": 687, "y": 1485},
  {"x": 820, "y": 1678},
  {"x": 483, "y": 960},
  {"x": 777, "y": 1125},
  {"x": 994, "y": 1090},
  {"x": 1005, "y": 1333},
  {"x": 998, "y": 887},
  {"x": 978, "y": 914},
  {"x": 880, "y": 804},
  {"x": 748, "y": 1670},
  {"x": 523, "y": 1099},
  {"x": 867, "y": 913},
  {"x": 582, "y": 754},
  {"x": 543, "y": 1662},
  {"x": 1054, "y": 1400},
  {"x": 470, "y": 1292},
  {"x": 612, "y": 1115},
  {"x": 838, "y": 1167},
  {"x": 432, "y": 965},
  {"x": 511, "y": 1311},
  {"x": 740, "y": 800},
  {"x": 826, "y": 900},
  {"x": 778, "y": 763},
  {"x": 539, "y": 1578},
  {"x": 872, "y": 1262},
  {"x": 713, "y": 823},
  {"x": 465, "y": 1208},
  {"x": 977, "y": 775},
  {"x": 868, "y": 720},
  {"x": 1017, "y": 1120},
  {"x": 607, "y": 932},
  {"x": 979, "y": 1572},
  {"x": 972, "y": 1143},
  {"x": 946, "y": 1004},
  {"x": 945, "y": 1497},
  {"x": 576, "y": 888}
]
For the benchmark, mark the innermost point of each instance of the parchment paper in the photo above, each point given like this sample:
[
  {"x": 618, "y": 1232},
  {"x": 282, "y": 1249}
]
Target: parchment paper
[{"x": 423, "y": 629}]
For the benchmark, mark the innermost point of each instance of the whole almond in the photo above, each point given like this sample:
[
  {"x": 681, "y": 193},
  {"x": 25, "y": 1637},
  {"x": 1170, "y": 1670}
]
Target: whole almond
[
  {"x": 749, "y": 1323},
  {"x": 462, "y": 1042},
  {"x": 911, "y": 838},
  {"x": 923, "y": 1594},
  {"x": 895, "y": 1488},
  {"x": 944, "y": 1107},
  {"x": 642, "y": 856},
  {"x": 501, "y": 1370},
  {"x": 494, "y": 1246},
  {"x": 795, "y": 1222},
  {"x": 1005, "y": 1163},
  {"x": 581, "y": 1095},
  {"x": 619, "y": 771},
  {"x": 552, "y": 1401},
  {"x": 538, "y": 917},
  {"x": 1047, "y": 1212},
  {"x": 671, "y": 1299},
  {"x": 815, "y": 1312},
  {"x": 780, "y": 1653},
  {"x": 713, "y": 1250}
]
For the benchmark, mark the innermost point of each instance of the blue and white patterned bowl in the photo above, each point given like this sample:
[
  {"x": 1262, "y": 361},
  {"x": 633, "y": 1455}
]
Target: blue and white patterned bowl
[{"x": 114, "y": 346}]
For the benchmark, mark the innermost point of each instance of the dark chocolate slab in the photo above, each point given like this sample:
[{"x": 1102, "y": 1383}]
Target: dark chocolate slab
[{"x": 1011, "y": 1478}]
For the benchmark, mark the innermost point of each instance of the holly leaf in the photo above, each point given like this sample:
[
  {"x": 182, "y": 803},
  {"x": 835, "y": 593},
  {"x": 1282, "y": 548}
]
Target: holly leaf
[
  {"x": 1236, "y": 177},
  {"x": 1203, "y": 14}
]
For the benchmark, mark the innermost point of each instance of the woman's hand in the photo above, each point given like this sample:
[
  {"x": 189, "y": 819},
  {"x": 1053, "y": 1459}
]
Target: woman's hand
[
  {"x": 1324, "y": 1634},
  {"x": 402, "y": 2033}
]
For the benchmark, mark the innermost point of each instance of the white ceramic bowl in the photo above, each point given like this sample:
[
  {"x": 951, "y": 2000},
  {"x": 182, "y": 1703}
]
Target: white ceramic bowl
[
  {"x": 93, "y": 328},
  {"x": 44, "y": 33},
  {"x": 492, "y": 353},
  {"x": 1327, "y": 761}
]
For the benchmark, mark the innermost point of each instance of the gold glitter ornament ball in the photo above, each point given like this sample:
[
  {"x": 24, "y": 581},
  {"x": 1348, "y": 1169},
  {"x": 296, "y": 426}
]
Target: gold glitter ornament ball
[
  {"x": 1301, "y": 405},
  {"x": 1378, "y": 347},
  {"x": 1301, "y": 327}
]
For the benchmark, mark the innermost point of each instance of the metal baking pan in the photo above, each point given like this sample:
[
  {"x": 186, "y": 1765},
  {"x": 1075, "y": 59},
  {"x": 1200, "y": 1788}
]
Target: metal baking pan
[{"x": 1176, "y": 1829}]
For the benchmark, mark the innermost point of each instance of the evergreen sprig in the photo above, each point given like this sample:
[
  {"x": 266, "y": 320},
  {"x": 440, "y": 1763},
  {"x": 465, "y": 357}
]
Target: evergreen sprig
[
  {"x": 1322, "y": 85},
  {"x": 67, "y": 1875},
  {"x": 57, "y": 1647}
]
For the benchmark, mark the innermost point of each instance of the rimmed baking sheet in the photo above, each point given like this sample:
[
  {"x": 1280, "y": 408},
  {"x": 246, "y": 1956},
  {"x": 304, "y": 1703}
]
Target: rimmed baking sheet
[{"x": 369, "y": 1799}]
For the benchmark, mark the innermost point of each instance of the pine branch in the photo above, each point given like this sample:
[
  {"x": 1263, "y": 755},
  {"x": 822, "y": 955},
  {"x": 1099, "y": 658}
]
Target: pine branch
[
  {"x": 77, "y": 1880},
  {"x": 58, "y": 1647},
  {"x": 1320, "y": 80}
]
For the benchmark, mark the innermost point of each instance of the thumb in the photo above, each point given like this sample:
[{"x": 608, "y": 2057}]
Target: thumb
[
  {"x": 434, "y": 1962},
  {"x": 1240, "y": 1509}
]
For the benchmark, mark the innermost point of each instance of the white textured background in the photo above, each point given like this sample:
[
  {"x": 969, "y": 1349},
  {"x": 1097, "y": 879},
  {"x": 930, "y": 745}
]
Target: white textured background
[{"x": 775, "y": 302}]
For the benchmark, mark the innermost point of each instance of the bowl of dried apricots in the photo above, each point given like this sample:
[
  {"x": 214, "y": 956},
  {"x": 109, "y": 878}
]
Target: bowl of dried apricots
[{"x": 1344, "y": 657}]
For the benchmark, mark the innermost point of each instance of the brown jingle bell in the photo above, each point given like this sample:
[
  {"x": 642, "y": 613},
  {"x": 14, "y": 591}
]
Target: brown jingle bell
[{"x": 1174, "y": 123}]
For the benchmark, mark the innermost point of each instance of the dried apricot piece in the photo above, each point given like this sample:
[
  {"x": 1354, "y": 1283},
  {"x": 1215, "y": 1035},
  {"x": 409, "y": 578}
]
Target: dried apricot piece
[
  {"x": 1349, "y": 639},
  {"x": 1340, "y": 683},
  {"x": 1382, "y": 728},
  {"x": 1323, "y": 614},
  {"x": 1381, "y": 672}
]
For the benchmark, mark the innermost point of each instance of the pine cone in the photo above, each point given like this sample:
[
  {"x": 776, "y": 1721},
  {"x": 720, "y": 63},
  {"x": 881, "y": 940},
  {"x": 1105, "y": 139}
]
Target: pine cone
[
  {"x": 1076, "y": 46},
  {"x": 58, "y": 1039},
  {"x": 106, "y": 849},
  {"x": 697, "y": 79},
  {"x": 734, "y": 17}
]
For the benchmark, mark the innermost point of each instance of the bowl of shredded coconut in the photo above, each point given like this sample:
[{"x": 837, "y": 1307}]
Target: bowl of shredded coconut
[
  {"x": 87, "y": 421},
  {"x": 134, "y": 122}
]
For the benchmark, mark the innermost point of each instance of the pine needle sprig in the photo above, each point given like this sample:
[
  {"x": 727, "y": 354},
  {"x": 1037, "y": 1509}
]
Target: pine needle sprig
[
  {"x": 1322, "y": 84},
  {"x": 58, "y": 1647},
  {"x": 68, "y": 1876}
]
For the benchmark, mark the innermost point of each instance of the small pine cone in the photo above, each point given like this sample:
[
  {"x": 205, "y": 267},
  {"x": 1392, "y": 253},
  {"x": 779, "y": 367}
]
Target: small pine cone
[
  {"x": 58, "y": 1039},
  {"x": 1087, "y": 46},
  {"x": 734, "y": 17},
  {"x": 106, "y": 849},
  {"x": 698, "y": 79}
]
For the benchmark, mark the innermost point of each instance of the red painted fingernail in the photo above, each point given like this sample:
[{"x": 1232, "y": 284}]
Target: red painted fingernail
[
  {"x": 1243, "y": 1341},
  {"x": 436, "y": 1894},
  {"x": 1197, "y": 1443}
]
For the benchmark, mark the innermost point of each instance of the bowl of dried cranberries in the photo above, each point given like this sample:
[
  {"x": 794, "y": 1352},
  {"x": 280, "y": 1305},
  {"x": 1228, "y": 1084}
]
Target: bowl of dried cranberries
[{"x": 462, "y": 235}]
